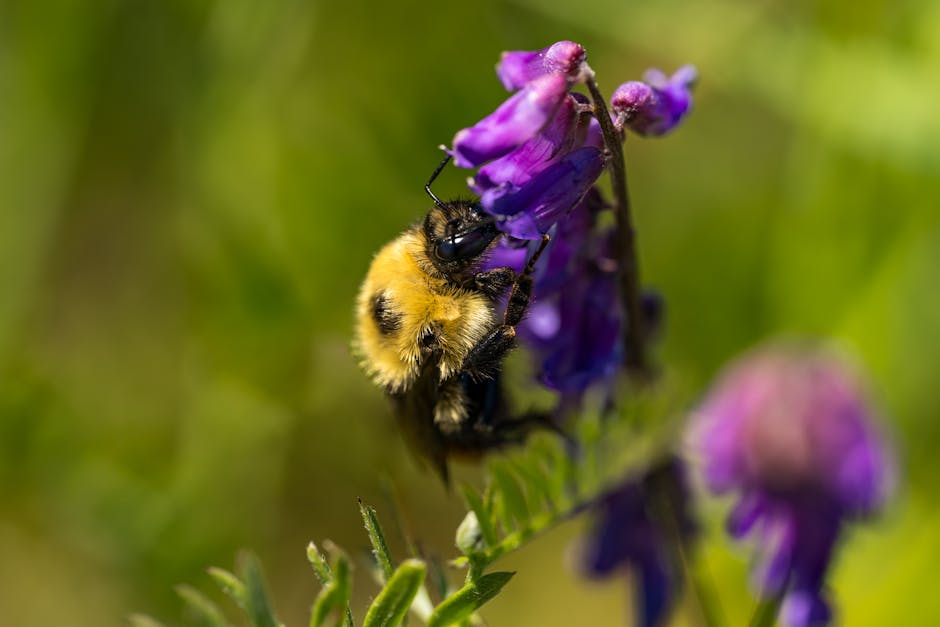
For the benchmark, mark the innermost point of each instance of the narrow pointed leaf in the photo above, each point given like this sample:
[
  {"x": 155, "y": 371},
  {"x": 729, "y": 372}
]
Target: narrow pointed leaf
[
  {"x": 343, "y": 582},
  {"x": 484, "y": 517},
  {"x": 230, "y": 585},
  {"x": 320, "y": 568},
  {"x": 379, "y": 546},
  {"x": 463, "y": 603},
  {"x": 259, "y": 608},
  {"x": 513, "y": 495},
  {"x": 392, "y": 603},
  {"x": 204, "y": 610}
]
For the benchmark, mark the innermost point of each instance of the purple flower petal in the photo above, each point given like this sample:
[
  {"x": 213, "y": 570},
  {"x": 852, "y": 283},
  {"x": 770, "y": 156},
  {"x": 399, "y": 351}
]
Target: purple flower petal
[
  {"x": 518, "y": 68},
  {"x": 805, "y": 608},
  {"x": 529, "y": 211},
  {"x": 514, "y": 122},
  {"x": 520, "y": 165}
]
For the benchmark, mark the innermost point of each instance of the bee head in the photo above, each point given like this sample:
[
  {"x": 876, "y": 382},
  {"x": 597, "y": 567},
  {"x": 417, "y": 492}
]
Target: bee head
[{"x": 456, "y": 234}]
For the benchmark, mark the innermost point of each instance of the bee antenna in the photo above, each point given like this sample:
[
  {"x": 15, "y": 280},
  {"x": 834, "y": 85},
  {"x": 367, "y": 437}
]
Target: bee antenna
[{"x": 427, "y": 186}]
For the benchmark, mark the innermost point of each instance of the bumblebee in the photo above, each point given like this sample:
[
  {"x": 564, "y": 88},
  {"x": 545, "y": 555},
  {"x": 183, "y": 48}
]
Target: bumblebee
[{"x": 428, "y": 333}]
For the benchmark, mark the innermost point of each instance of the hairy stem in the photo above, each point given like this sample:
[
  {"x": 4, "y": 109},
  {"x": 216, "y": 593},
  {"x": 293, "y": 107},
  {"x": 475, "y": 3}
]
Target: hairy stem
[{"x": 634, "y": 347}]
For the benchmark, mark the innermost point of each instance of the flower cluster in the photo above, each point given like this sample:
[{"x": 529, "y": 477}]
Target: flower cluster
[
  {"x": 541, "y": 150},
  {"x": 538, "y": 156},
  {"x": 790, "y": 431}
]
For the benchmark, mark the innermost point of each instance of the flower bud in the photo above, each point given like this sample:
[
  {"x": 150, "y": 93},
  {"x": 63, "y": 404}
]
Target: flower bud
[
  {"x": 469, "y": 535},
  {"x": 518, "y": 68},
  {"x": 656, "y": 106}
]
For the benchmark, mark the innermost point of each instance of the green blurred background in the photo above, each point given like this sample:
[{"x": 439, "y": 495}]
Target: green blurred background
[{"x": 191, "y": 191}]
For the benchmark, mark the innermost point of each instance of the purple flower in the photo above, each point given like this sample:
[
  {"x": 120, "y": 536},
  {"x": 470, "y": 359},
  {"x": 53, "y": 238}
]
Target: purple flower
[
  {"x": 573, "y": 329},
  {"x": 656, "y": 106},
  {"x": 638, "y": 527},
  {"x": 517, "y": 68},
  {"x": 790, "y": 431},
  {"x": 514, "y": 122},
  {"x": 528, "y": 211},
  {"x": 586, "y": 346},
  {"x": 538, "y": 157}
]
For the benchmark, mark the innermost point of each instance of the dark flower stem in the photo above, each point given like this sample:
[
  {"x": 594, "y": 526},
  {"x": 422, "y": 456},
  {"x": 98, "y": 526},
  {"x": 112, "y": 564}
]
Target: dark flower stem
[{"x": 635, "y": 360}]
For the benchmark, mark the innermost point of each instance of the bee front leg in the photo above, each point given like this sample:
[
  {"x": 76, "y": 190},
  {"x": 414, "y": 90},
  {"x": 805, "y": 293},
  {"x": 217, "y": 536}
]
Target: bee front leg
[
  {"x": 494, "y": 282},
  {"x": 484, "y": 360},
  {"x": 521, "y": 291}
]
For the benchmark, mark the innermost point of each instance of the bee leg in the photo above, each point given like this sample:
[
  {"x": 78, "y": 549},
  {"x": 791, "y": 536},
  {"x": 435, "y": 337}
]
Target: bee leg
[
  {"x": 521, "y": 291},
  {"x": 494, "y": 282},
  {"x": 518, "y": 301},
  {"x": 484, "y": 359}
]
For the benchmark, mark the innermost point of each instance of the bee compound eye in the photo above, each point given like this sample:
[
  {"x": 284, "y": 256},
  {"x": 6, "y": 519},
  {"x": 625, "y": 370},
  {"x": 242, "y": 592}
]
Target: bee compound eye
[{"x": 465, "y": 245}]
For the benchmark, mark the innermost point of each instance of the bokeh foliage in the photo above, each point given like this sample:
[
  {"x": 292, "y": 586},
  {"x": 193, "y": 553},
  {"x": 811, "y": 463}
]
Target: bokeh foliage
[{"x": 191, "y": 191}]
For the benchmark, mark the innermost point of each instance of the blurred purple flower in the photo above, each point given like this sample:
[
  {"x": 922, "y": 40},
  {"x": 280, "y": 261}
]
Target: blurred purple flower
[
  {"x": 638, "y": 526},
  {"x": 790, "y": 431},
  {"x": 656, "y": 106}
]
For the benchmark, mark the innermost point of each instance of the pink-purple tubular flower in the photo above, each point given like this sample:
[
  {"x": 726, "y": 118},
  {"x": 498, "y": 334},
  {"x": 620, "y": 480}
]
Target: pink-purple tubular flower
[{"x": 791, "y": 433}]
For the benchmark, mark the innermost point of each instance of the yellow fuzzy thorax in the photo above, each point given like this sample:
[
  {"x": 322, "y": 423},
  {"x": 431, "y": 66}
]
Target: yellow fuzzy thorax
[{"x": 423, "y": 301}]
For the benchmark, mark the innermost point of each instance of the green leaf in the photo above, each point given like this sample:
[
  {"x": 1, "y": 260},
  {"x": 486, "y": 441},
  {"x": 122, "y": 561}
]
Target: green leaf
[
  {"x": 392, "y": 603},
  {"x": 537, "y": 483},
  {"x": 343, "y": 582},
  {"x": 320, "y": 568},
  {"x": 379, "y": 547},
  {"x": 142, "y": 620},
  {"x": 230, "y": 585},
  {"x": 513, "y": 496},
  {"x": 259, "y": 608},
  {"x": 206, "y": 612},
  {"x": 556, "y": 464},
  {"x": 336, "y": 590},
  {"x": 468, "y": 599},
  {"x": 484, "y": 517},
  {"x": 330, "y": 597}
]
